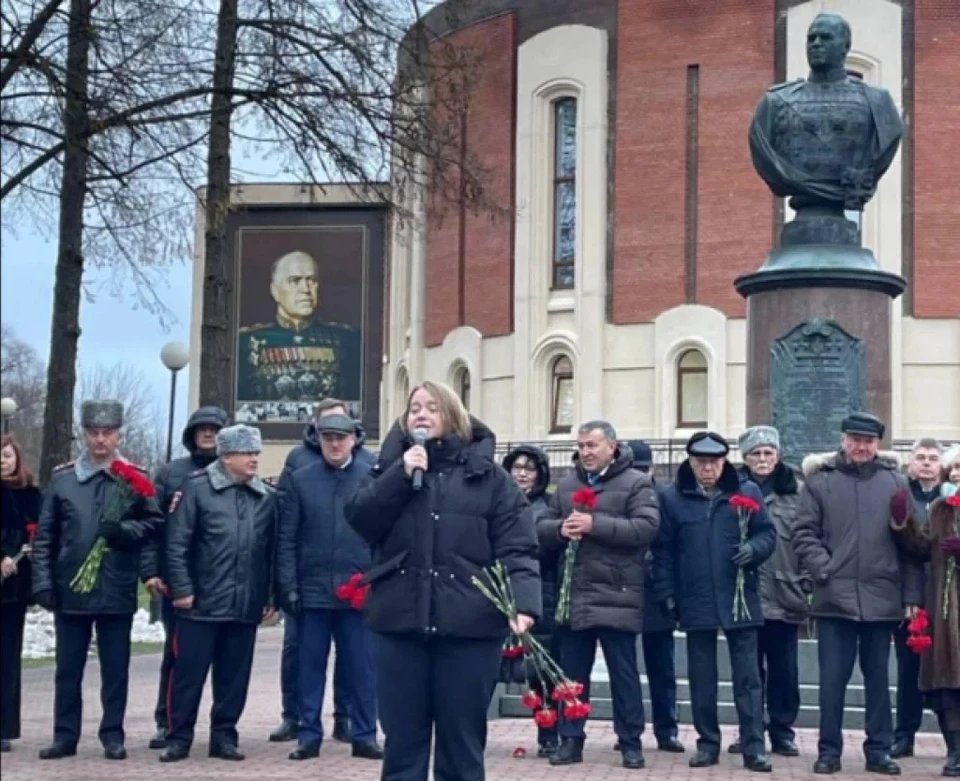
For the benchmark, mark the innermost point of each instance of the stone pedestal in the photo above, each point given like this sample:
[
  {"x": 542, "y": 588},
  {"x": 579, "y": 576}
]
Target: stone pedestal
[{"x": 818, "y": 339}]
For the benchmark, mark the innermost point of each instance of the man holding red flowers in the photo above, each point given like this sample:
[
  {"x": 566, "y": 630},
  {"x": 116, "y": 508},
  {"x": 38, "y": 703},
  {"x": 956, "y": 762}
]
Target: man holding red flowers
[
  {"x": 81, "y": 513},
  {"x": 714, "y": 534},
  {"x": 605, "y": 514},
  {"x": 320, "y": 560}
]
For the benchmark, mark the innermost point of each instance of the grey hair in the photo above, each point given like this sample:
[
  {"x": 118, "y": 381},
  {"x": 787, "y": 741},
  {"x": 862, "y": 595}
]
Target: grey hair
[
  {"x": 609, "y": 432},
  {"x": 283, "y": 258},
  {"x": 926, "y": 443}
]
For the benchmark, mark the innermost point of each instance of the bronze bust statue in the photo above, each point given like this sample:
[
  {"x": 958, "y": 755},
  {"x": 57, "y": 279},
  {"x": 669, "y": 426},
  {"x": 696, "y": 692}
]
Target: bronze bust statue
[{"x": 825, "y": 141}]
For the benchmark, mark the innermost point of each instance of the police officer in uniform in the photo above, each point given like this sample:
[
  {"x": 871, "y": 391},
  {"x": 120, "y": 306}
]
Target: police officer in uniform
[
  {"x": 70, "y": 522},
  {"x": 200, "y": 441},
  {"x": 220, "y": 548},
  {"x": 296, "y": 357}
]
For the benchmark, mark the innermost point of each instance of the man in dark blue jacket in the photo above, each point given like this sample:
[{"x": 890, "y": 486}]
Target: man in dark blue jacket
[
  {"x": 657, "y": 642},
  {"x": 200, "y": 441},
  {"x": 304, "y": 455},
  {"x": 699, "y": 557},
  {"x": 318, "y": 552}
]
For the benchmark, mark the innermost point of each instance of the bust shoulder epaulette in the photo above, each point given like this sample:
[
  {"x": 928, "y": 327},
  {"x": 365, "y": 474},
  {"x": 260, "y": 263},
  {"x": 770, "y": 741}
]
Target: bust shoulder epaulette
[
  {"x": 63, "y": 467},
  {"x": 255, "y": 327},
  {"x": 784, "y": 85}
]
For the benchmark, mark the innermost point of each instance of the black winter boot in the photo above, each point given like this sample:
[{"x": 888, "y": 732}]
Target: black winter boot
[
  {"x": 570, "y": 752},
  {"x": 952, "y": 768}
]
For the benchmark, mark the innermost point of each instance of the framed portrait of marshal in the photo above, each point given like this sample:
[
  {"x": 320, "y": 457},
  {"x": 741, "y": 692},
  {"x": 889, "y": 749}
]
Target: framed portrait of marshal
[{"x": 308, "y": 314}]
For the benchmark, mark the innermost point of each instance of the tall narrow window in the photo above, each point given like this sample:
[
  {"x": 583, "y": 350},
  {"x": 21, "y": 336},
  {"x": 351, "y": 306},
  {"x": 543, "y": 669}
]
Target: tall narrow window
[
  {"x": 462, "y": 385},
  {"x": 561, "y": 396},
  {"x": 564, "y": 191},
  {"x": 403, "y": 389},
  {"x": 692, "y": 390}
]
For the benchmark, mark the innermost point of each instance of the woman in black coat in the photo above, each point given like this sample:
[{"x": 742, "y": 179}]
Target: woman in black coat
[
  {"x": 20, "y": 510},
  {"x": 435, "y": 514}
]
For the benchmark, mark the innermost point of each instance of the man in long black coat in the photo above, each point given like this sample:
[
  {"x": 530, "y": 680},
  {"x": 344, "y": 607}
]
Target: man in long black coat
[{"x": 697, "y": 557}]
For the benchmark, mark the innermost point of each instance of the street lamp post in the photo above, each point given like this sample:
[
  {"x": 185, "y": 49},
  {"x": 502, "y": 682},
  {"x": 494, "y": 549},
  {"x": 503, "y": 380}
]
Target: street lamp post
[
  {"x": 174, "y": 355},
  {"x": 8, "y": 408}
]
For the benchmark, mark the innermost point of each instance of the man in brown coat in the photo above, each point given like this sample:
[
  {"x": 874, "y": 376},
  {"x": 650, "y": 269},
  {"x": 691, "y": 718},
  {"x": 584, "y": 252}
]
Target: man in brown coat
[
  {"x": 606, "y": 592},
  {"x": 863, "y": 586}
]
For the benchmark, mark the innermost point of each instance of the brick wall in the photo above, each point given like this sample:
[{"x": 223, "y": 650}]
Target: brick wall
[
  {"x": 732, "y": 42},
  {"x": 487, "y": 240},
  {"x": 936, "y": 247}
]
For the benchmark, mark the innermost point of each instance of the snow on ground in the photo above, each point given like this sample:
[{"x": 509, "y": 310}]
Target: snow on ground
[{"x": 39, "y": 641}]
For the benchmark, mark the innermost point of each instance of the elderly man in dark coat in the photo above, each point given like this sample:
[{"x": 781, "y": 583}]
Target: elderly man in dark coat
[
  {"x": 606, "y": 592},
  {"x": 705, "y": 549},
  {"x": 783, "y": 589},
  {"x": 863, "y": 586}
]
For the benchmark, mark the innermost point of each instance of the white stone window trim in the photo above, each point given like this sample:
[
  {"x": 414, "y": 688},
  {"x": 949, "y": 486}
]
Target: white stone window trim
[
  {"x": 671, "y": 390},
  {"x": 550, "y": 348}
]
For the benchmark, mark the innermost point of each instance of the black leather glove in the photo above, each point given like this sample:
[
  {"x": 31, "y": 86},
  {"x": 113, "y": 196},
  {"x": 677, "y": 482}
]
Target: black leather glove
[
  {"x": 290, "y": 604},
  {"x": 46, "y": 600},
  {"x": 669, "y": 608},
  {"x": 743, "y": 555}
]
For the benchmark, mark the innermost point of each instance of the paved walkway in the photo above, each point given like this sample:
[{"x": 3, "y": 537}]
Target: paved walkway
[{"x": 268, "y": 761}]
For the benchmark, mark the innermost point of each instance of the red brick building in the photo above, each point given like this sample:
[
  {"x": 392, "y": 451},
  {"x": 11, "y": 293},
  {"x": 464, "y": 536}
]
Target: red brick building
[{"x": 617, "y": 131}]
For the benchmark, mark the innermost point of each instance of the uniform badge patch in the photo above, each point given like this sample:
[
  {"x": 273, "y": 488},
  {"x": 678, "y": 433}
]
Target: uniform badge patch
[{"x": 174, "y": 501}]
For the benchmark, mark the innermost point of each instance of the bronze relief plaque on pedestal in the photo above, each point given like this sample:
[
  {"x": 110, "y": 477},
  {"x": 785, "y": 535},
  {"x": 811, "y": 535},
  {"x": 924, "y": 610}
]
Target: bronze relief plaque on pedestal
[{"x": 817, "y": 377}]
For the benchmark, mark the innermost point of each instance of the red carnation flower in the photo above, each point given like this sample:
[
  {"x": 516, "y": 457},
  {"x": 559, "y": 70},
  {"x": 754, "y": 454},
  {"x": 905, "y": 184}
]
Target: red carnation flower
[
  {"x": 567, "y": 691},
  {"x": 576, "y": 710},
  {"x": 531, "y": 700},
  {"x": 919, "y": 623},
  {"x": 954, "y": 501},
  {"x": 512, "y": 651},
  {"x": 359, "y": 597},
  {"x": 545, "y": 717},
  {"x": 743, "y": 502},
  {"x": 585, "y": 498},
  {"x": 345, "y": 591},
  {"x": 31, "y": 529},
  {"x": 919, "y": 643},
  {"x": 519, "y": 752}
]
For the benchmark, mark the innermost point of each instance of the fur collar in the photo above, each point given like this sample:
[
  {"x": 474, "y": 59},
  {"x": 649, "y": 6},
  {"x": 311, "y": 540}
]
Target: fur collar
[
  {"x": 829, "y": 462},
  {"x": 729, "y": 482},
  {"x": 85, "y": 468},
  {"x": 220, "y": 479}
]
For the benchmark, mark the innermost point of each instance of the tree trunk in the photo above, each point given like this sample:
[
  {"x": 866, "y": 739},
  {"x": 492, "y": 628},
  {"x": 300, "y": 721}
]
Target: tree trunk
[
  {"x": 215, "y": 375},
  {"x": 65, "y": 329}
]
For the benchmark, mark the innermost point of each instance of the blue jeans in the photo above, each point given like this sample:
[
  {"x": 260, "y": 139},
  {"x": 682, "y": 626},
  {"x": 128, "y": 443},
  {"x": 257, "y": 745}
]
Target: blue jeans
[
  {"x": 290, "y": 675},
  {"x": 317, "y": 628}
]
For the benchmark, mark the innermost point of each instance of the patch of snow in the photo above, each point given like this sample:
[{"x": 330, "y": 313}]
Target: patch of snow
[{"x": 39, "y": 638}]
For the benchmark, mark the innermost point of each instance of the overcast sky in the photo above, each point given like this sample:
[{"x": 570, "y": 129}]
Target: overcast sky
[{"x": 114, "y": 331}]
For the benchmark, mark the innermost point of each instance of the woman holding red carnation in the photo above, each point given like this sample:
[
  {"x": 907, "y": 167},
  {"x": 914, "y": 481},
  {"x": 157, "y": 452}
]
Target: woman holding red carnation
[
  {"x": 20, "y": 510},
  {"x": 436, "y": 511},
  {"x": 938, "y": 541}
]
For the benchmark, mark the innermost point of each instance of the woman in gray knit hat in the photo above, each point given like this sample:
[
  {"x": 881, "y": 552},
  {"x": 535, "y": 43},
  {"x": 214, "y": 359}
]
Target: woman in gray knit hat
[{"x": 783, "y": 595}]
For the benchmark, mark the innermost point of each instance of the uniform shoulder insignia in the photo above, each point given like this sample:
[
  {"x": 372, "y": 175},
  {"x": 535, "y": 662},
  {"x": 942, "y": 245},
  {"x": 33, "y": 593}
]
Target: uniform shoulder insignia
[
  {"x": 63, "y": 466},
  {"x": 174, "y": 502},
  {"x": 784, "y": 85}
]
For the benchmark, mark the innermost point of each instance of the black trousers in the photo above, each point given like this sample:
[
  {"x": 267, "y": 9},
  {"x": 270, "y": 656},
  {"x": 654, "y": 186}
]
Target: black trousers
[
  {"x": 12, "y": 618},
  {"x": 440, "y": 687},
  {"x": 704, "y": 682},
  {"x": 290, "y": 675},
  {"x": 620, "y": 653},
  {"x": 658, "y": 659},
  {"x": 778, "y": 649},
  {"x": 909, "y": 698},
  {"x": 168, "y": 615},
  {"x": 225, "y": 646},
  {"x": 839, "y": 643},
  {"x": 74, "y": 633}
]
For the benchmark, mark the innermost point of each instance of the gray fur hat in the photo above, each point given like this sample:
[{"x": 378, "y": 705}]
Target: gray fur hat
[
  {"x": 239, "y": 439},
  {"x": 105, "y": 413},
  {"x": 757, "y": 436}
]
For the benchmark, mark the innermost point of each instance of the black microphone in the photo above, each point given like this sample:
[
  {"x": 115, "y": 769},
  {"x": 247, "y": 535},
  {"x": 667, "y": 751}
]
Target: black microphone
[{"x": 419, "y": 436}]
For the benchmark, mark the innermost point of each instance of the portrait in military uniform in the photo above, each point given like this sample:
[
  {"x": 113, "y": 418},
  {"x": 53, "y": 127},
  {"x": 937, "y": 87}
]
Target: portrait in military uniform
[{"x": 300, "y": 321}]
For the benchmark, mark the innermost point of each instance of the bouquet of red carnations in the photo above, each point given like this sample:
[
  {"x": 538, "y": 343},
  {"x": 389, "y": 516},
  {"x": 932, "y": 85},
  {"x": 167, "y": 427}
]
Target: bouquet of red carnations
[
  {"x": 745, "y": 507},
  {"x": 132, "y": 486},
  {"x": 583, "y": 499},
  {"x": 565, "y": 693},
  {"x": 31, "y": 529},
  {"x": 353, "y": 591}
]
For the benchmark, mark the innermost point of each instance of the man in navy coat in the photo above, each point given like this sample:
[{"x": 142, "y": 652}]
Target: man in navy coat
[{"x": 697, "y": 557}]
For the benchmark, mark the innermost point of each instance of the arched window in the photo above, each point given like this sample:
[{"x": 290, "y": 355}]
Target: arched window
[
  {"x": 461, "y": 384},
  {"x": 561, "y": 396},
  {"x": 692, "y": 390},
  {"x": 564, "y": 192}
]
